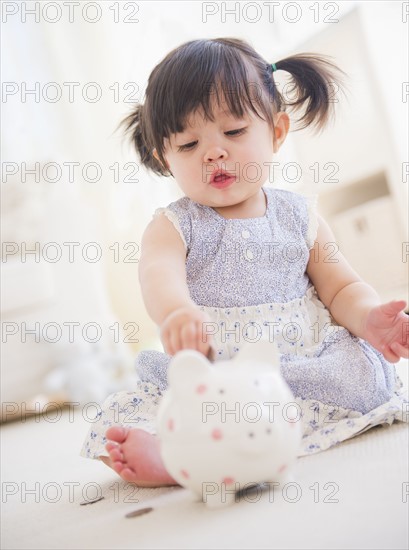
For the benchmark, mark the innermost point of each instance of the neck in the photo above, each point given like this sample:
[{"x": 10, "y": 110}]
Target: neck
[{"x": 253, "y": 207}]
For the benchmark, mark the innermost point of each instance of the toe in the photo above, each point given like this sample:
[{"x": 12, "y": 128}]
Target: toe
[
  {"x": 111, "y": 445},
  {"x": 116, "y": 455},
  {"x": 117, "y": 433},
  {"x": 118, "y": 467},
  {"x": 128, "y": 475}
]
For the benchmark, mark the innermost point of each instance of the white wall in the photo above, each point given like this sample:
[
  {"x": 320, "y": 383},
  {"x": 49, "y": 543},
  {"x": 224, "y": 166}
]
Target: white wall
[{"x": 109, "y": 52}]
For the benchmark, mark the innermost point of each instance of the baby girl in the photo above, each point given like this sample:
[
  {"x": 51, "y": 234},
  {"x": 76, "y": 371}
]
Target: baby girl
[{"x": 236, "y": 259}]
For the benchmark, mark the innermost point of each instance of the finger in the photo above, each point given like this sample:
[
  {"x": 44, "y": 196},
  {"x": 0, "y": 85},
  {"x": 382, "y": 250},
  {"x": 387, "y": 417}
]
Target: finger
[
  {"x": 201, "y": 333},
  {"x": 399, "y": 350},
  {"x": 389, "y": 354},
  {"x": 164, "y": 336},
  {"x": 174, "y": 341},
  {"x": 394, "y": 306},
  {"x": 188, "y": 336},
  {"x": 202, "y": 339}
]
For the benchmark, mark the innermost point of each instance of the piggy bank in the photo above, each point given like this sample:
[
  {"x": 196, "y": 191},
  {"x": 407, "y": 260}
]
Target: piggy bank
[{"x": 227, "y": 426}]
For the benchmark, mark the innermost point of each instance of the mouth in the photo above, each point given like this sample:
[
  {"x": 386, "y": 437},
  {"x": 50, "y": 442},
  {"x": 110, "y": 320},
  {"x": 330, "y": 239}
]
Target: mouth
[{"x": 221, "y": 179}]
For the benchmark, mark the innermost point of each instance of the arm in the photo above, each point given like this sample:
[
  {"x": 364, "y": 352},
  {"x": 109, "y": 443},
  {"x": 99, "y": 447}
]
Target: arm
[
  {"x": 353, "y": 303},
  {"x": 162, "y": 276},
  {"x": 162, "y": 271},
  {"x": 339, "y": 287}
]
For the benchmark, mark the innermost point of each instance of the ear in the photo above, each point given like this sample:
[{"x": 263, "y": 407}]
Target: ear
[
  {"x": 186, "y": 367},
  {"x": 261, "y": 356},
  {"x": 155, "y": 154},
  {"x": 281, "y": 128}
]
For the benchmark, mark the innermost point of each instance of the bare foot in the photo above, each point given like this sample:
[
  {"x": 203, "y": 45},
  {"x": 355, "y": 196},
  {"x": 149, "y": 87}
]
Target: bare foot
[{"x": 134, "y": 455}]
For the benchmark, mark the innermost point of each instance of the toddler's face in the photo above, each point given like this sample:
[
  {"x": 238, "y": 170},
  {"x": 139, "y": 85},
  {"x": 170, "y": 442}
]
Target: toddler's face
[{"x": 241, "y": 147}]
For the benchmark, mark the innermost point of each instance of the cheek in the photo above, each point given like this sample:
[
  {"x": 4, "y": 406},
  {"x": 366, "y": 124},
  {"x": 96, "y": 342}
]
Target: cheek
[
  {"x": 185, "y": 167},
  {"x": 267, "y": 149},
  {"x": 258, "y": 152}
]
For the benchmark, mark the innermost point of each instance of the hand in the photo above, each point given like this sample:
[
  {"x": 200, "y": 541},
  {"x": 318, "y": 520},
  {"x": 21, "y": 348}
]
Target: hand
[
  {"x": 387, "y": 330},
  {"x": 183, "y": 329}
]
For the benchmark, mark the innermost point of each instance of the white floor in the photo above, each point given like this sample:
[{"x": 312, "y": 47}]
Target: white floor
[{"x": 353, "y": 496}]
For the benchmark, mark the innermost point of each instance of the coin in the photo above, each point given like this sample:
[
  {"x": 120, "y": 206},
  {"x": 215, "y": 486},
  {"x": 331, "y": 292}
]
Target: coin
[
  {"x": 139, "y": 512},
  {"x": 91, "y": 501}
]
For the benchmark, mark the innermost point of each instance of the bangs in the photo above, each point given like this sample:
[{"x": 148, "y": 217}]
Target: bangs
[{"x": 221, "y": 78}]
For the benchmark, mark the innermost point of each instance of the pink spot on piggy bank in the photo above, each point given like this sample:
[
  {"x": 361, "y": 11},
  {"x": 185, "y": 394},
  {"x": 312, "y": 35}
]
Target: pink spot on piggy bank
[
  {"x": 217, "y": 434},
  {"x": 228, "y": 480}
]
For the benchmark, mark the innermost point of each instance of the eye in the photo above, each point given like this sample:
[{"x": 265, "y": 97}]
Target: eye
[
  {"x": 192, "y": 144},
  {"x": 237, "y": 132},
  {"x": 187, "y": 146}
]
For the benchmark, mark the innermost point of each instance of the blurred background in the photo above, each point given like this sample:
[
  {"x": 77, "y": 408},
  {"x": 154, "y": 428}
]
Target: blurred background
[{"x": 75, "y": 201}]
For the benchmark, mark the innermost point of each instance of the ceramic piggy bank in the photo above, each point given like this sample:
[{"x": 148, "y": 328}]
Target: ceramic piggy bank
[{"x": 229, "y": 425}]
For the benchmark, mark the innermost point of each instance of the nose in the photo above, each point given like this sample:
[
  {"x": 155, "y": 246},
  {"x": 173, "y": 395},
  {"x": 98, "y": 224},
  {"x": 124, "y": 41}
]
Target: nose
[{"x": 215, "y": 153}]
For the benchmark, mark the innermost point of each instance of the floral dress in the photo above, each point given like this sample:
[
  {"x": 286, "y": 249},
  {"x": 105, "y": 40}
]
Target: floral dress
[{"x": 249, "y": 276}]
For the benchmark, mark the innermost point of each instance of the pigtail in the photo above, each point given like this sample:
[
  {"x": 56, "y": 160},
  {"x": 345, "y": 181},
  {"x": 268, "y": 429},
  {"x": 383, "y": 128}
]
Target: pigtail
[
  {"x": 316, "y": 83},
  {"x": 134, "y": 126}
]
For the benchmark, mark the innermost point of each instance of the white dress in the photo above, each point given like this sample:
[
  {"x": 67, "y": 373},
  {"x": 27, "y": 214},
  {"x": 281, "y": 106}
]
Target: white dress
[{"x": 250, "y": 276}]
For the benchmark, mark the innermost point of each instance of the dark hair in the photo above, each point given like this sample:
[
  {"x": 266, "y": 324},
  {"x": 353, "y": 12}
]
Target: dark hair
[{"x": 190, "y": 76}]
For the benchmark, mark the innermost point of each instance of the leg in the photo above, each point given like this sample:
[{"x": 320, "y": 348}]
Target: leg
[
  {"x": 131, "y": 409},
  {"x": 124, "y": 429},
  {"x": 345, "y": 371},
  {"x": 134, "y": 454}
]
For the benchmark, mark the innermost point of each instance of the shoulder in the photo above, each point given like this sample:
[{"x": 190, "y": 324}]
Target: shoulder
[
  {"x": 183, "y": 207},
  {"x": 180, "y": 204},
  {"x": 297, "y": 201},
  {"x": 183, "y": 214},
  {"x": 301, "y": 207}
]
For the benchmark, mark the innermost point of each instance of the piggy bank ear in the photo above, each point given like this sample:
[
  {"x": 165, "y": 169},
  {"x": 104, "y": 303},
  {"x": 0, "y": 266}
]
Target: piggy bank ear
[
  {"x": 261, "y": 356},
  {"x": 186, "y": 367}
]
